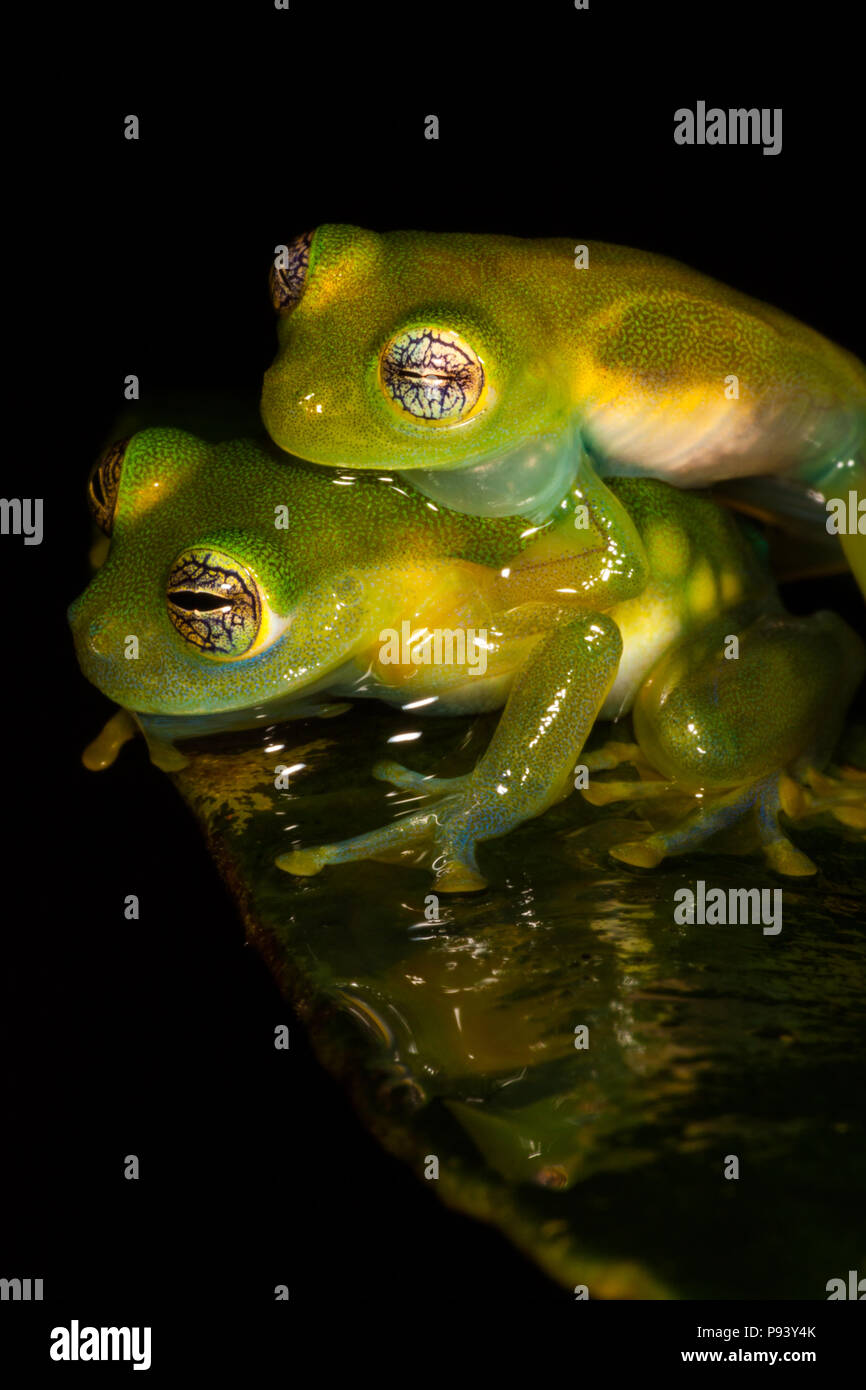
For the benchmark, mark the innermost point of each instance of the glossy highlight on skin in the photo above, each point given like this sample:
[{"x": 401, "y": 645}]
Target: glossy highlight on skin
[{"x": 630, "y": 610}]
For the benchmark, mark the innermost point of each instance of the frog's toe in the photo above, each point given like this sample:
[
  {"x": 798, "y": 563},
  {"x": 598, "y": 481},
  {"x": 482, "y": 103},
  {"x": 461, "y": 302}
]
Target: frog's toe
[
  {"x": 401, "y": 834},
  {"x": 303, "y": 862},
  {"x": 613, "y": 754},
  {"x": 457, "y": 871},
  {"x": 603, "y": 793},
  {"x": 807, "y": 795},
  {"x": 852, "y": 816},
  {"x": 407, "y": 780},
  {"x": 641, "y": 854},
  {"x": 841, "y": 795},
  {"x": 786, "y": 859}
]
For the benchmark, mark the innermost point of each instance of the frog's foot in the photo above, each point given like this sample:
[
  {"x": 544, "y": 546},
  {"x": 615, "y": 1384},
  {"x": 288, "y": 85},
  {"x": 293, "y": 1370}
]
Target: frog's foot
[
  {"x": 814, "y": 793},
  {"x": 446, "y": 827},
  {"x": 713, "y": 814},
  {"x": 163, "y": 754},
  {"x": 603, "y": 793},
  {"x": 613, "y": 754}
]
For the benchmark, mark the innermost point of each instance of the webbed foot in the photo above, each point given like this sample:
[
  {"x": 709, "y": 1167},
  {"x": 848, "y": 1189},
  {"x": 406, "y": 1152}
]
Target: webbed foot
[
  {"x": 447, "y": 828},
  {"x": 806, "y": 796},
  {"x": 842, "y": 796},
  {"x": 714, "y": 813}
]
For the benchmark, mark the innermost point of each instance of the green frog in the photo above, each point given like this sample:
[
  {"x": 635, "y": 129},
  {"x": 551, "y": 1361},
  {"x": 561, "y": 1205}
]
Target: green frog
[
  {"x": 492, "y": 371},
  {"x": 237, "y": 585}
]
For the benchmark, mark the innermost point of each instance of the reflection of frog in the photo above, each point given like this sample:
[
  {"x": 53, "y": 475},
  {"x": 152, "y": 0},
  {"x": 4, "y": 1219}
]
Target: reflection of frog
[
  {"x": 493, "y": 370},
  {"x": 373, "y": 590}
]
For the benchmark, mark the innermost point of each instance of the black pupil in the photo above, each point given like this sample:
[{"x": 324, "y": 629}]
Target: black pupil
[
  {"x": 198, "y": 602},
  {"x": 96, "y": 485}
]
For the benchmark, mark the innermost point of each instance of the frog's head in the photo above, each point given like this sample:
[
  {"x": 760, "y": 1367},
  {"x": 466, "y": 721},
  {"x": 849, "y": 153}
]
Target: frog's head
[
  {"x": 405, "y": 350},
  {"x": 227, "y": 580}
]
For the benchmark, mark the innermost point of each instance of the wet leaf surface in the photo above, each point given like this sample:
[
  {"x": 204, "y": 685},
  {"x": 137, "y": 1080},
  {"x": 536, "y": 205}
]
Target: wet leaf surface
[{"x": 457, "y": 1037}]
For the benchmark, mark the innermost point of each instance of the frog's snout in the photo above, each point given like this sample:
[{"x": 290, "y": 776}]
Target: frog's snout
[
  {"x": 76, "y": 615},
  {"x": 91, "y": 633},
  {"x": 296, "y": 412}
]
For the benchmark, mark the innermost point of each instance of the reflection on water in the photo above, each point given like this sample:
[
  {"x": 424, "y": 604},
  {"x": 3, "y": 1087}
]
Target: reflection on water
[{"x": 583, "y": 1067}]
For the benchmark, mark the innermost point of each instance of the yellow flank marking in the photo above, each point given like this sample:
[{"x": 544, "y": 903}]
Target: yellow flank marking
[
  {"x": 649, "y": 625},
  {"x": 608, "y": 387},
  {"x": 703, "y": 592},
  {"x": 731, "y": 586}
]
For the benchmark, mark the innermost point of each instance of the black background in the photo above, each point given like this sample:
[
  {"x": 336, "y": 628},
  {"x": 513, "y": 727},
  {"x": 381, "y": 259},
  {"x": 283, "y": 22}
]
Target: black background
[{"x": 155, "y": 1037}]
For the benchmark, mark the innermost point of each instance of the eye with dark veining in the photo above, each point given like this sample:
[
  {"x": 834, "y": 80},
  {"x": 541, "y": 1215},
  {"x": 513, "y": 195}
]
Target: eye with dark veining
[
  {"x": 289, "y": 272},
  {"x": 103, "y": 485},
  {"x": 431, "y": 374},
  {"x": 214, "y": 602}
]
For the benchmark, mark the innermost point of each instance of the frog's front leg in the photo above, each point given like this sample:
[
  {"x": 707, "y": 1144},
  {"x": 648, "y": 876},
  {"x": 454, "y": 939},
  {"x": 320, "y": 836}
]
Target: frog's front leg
[
  {"x": 527, "y": 767},
  {"x": 589, "y": 554},
  {"x": 102, "y": 751},
  {"x": 123, "y": 726}
]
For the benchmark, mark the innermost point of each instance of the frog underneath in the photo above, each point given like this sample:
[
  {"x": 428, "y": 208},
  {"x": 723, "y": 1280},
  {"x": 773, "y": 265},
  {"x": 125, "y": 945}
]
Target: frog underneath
[
  {"x": 489, "y": 370},
  {"x": 252, "y": 584}
]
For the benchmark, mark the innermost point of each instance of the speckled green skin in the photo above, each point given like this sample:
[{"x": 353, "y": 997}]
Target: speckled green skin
[
  {"x": 635, "y": 348},
  {"x": 360, "y": 556},
  {"x": 628, "y": 362}
]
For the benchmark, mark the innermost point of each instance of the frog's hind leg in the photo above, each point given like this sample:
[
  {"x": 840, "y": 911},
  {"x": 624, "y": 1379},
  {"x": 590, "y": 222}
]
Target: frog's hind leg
[{"x": 725, "y": 732}]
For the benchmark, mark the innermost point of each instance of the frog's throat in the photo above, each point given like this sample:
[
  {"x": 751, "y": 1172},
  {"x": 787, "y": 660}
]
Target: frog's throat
[{"x": 529, "y": 481}]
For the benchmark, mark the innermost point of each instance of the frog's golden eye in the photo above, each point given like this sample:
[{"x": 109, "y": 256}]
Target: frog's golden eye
[
  {"x": 431, "y": 374},
  {"x": 214, "y": 602},
  {"x": 289, "y": 272},
  {"x": 104, "y": 483}
]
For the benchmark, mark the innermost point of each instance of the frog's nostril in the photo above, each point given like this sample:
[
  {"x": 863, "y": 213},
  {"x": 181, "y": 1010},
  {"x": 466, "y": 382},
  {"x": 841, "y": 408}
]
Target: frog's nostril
[{"x": 96, "y": 637}]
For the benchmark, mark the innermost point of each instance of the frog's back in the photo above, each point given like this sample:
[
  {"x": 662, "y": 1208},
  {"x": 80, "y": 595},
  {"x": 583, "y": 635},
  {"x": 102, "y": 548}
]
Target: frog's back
[{"x": 680, "y": 377}]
